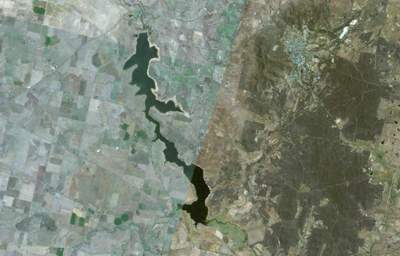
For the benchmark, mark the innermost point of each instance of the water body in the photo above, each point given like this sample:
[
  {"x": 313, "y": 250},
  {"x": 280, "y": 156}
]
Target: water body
[{"x": 140, "y": 77}]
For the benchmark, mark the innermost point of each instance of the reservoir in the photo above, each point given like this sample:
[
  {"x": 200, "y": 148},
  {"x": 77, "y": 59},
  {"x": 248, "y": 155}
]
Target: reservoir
[{"x": 147, "y": 86}]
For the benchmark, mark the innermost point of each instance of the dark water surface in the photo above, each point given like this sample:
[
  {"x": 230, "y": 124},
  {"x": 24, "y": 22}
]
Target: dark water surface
[{"x": 144, "y": 54}]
